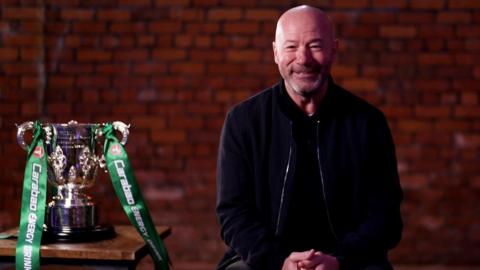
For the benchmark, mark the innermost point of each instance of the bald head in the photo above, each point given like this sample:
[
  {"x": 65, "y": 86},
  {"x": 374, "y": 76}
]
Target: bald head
[
  {"x": 304, "y": 18},
  {"x": 304, "y": 50}
]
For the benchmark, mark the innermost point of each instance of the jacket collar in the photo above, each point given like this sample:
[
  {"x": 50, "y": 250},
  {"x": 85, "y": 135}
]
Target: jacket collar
[{"x": 291, "y": 110}]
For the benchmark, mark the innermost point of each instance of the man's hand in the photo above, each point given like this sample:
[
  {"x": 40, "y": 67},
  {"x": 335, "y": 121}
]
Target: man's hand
[{"x": 310, "y": 260}]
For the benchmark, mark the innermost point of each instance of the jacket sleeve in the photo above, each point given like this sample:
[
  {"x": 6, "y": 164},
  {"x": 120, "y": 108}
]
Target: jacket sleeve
[
  {"x": 241, "y": 228},
  {"x": 380, "y": 225}
]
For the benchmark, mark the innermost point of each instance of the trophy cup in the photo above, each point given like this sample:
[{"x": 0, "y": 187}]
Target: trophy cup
[{"x": 73, "y": 162}]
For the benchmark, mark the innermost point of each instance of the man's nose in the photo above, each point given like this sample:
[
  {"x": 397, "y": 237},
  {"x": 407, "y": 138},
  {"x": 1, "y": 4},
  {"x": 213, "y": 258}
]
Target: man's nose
[{"x": 303, "y": 56}]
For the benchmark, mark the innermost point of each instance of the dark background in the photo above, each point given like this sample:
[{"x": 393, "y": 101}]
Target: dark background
[{"x": 172, "y": 68}]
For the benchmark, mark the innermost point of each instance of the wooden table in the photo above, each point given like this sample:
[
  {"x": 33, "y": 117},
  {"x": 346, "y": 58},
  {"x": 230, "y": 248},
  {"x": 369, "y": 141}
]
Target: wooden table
[{"x": 122, "y": 252}]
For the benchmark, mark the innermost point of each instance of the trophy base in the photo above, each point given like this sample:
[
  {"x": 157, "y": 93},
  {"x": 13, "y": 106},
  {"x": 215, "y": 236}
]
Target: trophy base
[{"x": 71, "y": 235}]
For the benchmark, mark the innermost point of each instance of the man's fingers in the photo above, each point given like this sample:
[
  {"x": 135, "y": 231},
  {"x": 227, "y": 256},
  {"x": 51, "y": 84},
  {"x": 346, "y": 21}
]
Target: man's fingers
[
  {"x": 299, "y": 256},
  {"x": 316, "y": 259}
]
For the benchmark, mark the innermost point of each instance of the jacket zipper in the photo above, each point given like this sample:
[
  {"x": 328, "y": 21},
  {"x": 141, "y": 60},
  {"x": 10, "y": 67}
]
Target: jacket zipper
[
  {"x": 323, "y": 184},
  {"x": 284, "y": 184}
]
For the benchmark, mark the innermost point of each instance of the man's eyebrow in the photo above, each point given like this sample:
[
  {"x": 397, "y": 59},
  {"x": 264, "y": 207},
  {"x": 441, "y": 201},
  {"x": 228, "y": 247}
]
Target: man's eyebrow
[{"x": 316, "y": 40}]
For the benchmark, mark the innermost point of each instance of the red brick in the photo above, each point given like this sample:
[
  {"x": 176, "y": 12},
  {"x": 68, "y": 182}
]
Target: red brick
[
  {"x": 129, "y": 108},
  {"x": 205, "y": 2},
  {"x": 452, "y": 125},
  {"x": 432, "y": 85},
  {"x": 422, "y": 111},
  {"x": 93, "y": 55},
  {"x": 169, "y": 3},
  {"x": 8, "y": 109},
  {"x": 94, "y": 82},
  {"x": 203, "y": 28},
  {"x": 29, "y": 109},
  {"x": 187, "y": 68},
  {"x": 60, "y": 82},
  {"x": 414, "y": 125},
  {"x": 89, "y": 27},
  {"x": 359, "y": 31},
  {"x": 378, "y": 71},
  {"x": 168, "y": 136},
  {"x": 207, "y": 56},
  {"x": 241, "y": 28},
  {"x": 454, "y": 17},
  {"x": 137, "y": 82},
  {"x": 350, "y": 3},
  {"x": 226, "y": 14},
  {"x": 243, "y": 55},
  {"x": 169, "y": 54},
  {"x": 20, "y": 68},
  {"x": 127, "y": 28},
  {"x": 203, "y": 42},
  {"x": 344, "y": 71},
  {"x": 185, "y": 123},
  {"x": 145, "y": 41},
  {"x": 135, "y": 3},
  {"x": 59, "y": 108},
  {"x": 468, "y": 31},
  {"x": 77, "y": 14},
  {"x": 23, "y": 13},
  {"x": 389, "y": 3},
  {"x": 203, "y": 109},
  {"x": 90, "y": 96},
  {"x": 377, "y": 17},
  {"x": 397, "y": 111},
  {"x": 397, "y": 31},
  {"x": 149, "y": 69},
  {"x": 35, "y": 27},
  {"x": 8, "y": 54},
  {"x": 165, "y": 27},
  {"x": 428, "y": 4},
  {"x": 131, "y": 55},
  {"x": 22, "y": 40},
  {"x": 467, "y": 112},
  {"x": 112, "y": 69},
  {"x": 187, "y": 14},
  {"x": 464, "y": 4},
  {"x": 415, "y": 17},
  {"x": 472, "y": 45},
  {"x": 262, "y": 14},
  {"x": 429, "y": 59},
  {"x": 116, "y": 15}
]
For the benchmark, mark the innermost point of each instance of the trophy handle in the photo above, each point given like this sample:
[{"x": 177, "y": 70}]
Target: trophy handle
[
  {"x": 21, "y": 129},
  {"x": 123, "y": 128}
]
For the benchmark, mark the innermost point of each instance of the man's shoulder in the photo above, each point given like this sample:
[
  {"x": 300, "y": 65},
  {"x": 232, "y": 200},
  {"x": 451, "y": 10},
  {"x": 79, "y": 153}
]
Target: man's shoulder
[
  {"x": 257, "y": 103},
  {"x": 349, "y": 102}
]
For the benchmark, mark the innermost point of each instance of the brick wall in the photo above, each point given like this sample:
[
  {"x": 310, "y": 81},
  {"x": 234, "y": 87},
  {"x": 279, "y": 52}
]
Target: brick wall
[{"x": 172, "y": 68}]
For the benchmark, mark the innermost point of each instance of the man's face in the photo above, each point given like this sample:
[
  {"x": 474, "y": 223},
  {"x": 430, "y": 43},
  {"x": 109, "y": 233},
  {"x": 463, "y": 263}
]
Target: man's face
[{"x": 304, "y": 51}]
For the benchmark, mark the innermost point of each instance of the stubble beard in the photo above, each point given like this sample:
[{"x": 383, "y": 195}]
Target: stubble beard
[{"x": 310, "y": 91}]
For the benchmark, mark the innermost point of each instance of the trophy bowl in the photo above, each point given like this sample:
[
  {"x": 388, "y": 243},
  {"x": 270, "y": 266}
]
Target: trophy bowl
[{"x": 73, "y": 161}]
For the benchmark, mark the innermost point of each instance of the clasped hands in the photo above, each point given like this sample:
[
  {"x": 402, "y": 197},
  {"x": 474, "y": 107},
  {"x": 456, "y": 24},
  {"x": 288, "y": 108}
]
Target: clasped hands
[{"x": 310, "y": 260}]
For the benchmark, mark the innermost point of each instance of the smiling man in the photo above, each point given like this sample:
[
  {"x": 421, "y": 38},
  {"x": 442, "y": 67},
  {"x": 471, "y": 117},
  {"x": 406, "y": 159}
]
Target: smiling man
[{"x": 307, "y": 175}]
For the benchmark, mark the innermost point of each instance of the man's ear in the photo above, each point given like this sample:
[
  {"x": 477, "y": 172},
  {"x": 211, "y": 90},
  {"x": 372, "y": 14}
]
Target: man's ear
[
  {"x": 274, "y": 47},
  {"x": 334, "y": 50}
]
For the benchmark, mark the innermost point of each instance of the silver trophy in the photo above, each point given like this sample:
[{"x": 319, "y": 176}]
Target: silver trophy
[{"x": 74, "y": 157}]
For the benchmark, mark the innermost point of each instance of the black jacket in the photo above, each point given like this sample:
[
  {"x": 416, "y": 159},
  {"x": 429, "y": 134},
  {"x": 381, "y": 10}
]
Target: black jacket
[{"x": 358, "y": 170}]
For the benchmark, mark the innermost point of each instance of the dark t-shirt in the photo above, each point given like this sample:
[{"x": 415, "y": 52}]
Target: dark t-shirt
[{"x": 307, "y": 225}]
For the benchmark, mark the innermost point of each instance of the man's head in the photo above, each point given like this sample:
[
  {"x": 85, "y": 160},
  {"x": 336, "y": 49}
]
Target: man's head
[{"x": 304, "y": 49}]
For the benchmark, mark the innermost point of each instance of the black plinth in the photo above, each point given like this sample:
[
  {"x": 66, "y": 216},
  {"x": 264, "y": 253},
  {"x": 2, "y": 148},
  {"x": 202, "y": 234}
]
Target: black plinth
[{"x": 72, "y": 235}]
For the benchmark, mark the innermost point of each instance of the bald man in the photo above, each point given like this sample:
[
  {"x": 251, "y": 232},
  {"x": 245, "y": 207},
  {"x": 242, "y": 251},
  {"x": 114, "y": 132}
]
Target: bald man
[{"x": 307, "y": 175}]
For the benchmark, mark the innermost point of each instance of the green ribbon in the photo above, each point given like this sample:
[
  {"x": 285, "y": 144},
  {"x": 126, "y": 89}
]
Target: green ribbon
[
  {"x": 32, "y": 213},
  {"x": 131, "y": 198}
]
